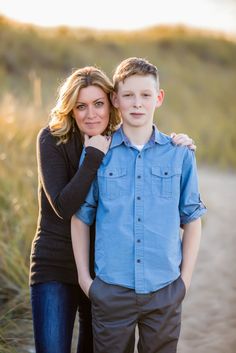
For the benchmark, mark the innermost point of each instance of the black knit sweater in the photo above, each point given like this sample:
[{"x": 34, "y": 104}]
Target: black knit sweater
[{"x": 62, "y": 190}]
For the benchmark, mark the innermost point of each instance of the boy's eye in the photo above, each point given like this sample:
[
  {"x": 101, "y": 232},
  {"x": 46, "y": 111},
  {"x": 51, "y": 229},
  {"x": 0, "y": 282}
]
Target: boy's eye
[{"x": 127, "y": 95}]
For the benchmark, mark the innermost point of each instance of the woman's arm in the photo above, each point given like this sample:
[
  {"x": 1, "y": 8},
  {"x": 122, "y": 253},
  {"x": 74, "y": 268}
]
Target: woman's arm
[{"x": 65, "y": 195}]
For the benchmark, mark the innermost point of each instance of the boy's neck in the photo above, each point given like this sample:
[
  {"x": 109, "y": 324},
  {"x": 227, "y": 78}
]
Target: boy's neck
[{"x": 138, "y": 135}]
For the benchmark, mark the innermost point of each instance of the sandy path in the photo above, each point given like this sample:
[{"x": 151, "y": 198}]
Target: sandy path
[{"x": 209, "y": 310}]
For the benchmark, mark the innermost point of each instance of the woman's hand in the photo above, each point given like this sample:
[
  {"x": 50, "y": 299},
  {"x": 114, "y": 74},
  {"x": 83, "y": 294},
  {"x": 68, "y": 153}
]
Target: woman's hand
[
  {"x": 100, "y": 142},
  {"x": 183, "y": 140}
]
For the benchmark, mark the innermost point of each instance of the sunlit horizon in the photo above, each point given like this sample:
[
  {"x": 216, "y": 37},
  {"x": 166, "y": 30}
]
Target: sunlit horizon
[{"x": 209, "y": 15}]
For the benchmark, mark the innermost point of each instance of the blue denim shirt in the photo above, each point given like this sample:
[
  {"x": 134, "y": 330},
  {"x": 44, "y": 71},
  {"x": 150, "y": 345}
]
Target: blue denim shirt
[{"x": 139, "y": 200}]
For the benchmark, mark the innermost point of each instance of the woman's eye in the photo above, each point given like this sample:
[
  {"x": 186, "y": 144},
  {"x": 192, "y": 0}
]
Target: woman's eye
[
  {"x": 80, "y": 107},
  {"x": 127, "y": 95},
  {"x": 99, "y": 104}
]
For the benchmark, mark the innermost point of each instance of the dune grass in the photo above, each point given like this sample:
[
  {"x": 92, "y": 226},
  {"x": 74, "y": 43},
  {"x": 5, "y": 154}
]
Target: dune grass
[{"x": 18, "y": 205}]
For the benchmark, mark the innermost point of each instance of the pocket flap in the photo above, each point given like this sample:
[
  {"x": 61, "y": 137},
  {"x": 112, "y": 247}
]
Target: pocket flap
[
  {"x": 165, "y": 172},
  {"x": 112, "y": 172}
]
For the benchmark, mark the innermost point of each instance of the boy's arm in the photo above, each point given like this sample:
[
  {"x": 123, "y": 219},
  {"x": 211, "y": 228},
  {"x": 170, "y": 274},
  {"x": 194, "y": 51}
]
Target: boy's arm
[
  {"x": 190, "y": 205},
  {"x": 190, "y": 248},
  {"x": 191, "y": 210},
  {"x": 80, "y": 236}
]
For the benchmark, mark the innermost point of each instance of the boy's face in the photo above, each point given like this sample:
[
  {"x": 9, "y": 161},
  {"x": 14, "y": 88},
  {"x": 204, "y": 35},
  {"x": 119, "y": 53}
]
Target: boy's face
[{"x": 137, "y": 98}]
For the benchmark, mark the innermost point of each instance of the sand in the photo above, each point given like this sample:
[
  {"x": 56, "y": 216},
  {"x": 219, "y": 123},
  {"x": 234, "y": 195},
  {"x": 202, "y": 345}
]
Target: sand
[{"x": 209, "y": 309}]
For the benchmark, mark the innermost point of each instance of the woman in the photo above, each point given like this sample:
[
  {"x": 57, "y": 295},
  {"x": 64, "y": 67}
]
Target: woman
[{"x": 55, "y": 293}]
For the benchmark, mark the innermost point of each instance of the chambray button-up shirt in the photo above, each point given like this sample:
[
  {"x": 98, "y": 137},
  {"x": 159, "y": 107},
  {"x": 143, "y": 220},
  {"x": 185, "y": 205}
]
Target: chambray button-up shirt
[{"x": 139, "y": 200}]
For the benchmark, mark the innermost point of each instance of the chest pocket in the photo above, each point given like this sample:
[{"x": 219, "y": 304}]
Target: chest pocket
[
  {"x": 112, "y": 182},
  {"x": 166, "y": 181}
]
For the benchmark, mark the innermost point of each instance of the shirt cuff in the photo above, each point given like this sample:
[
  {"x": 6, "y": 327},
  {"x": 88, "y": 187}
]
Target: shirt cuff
[
  {"x": 84, "y": 217},
  {"x": 199, "y": 212}
]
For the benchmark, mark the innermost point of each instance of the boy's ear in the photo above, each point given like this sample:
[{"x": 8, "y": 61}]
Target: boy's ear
[
  {"x": 114, "y": 99},
  {"x": 160, "y": 98}
]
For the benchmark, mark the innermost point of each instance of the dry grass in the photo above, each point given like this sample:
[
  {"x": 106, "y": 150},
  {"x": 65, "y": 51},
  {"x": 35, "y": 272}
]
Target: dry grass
[{"x": 18, "y": 204}]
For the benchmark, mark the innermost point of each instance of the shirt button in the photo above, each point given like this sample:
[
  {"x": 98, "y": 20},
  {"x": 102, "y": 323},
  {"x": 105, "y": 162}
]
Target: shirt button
[
  {"x": 138, "y": 261},
  {"x": 139, "y": 156},
  {"x": 139, "y": 176},
  {"x": 110, "y": 174},
  {"x": 138, "y": 198},
  {"x": 139, "y": 219},
  {"x": 166, "y": 173},
  {"x": 138, "y": 241}
]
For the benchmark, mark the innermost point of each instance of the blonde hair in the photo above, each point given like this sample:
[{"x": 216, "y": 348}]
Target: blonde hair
[
  {"x": 61, "y": 123},
  {"x": 134, "y": 66}
]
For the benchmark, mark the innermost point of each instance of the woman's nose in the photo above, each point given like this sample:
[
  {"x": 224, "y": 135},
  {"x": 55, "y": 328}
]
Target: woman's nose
[{"x": 91, "y": 113}]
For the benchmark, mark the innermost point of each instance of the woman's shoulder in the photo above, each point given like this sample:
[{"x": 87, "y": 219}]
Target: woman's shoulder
[
  {"x": 45, "y": 137},
  {"x": 44, "y": 133}
]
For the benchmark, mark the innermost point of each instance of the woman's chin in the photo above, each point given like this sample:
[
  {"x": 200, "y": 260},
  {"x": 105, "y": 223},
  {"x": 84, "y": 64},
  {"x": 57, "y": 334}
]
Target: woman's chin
[{"x": 94, "y": 132}]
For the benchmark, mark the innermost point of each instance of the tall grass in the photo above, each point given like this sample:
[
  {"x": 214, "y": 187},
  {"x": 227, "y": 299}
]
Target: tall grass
[{"x": 18, "y": 205}]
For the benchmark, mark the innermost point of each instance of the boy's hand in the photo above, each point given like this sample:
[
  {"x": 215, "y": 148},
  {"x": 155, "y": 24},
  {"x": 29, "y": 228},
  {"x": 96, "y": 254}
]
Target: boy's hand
[
  {"x": 85, "y": 285},
  {"x": 183, "y": 140},
  {"x": 186, "y": 282}
]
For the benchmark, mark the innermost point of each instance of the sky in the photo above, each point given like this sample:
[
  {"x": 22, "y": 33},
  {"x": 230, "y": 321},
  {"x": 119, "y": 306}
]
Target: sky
[{"x": 216, "y": 15}]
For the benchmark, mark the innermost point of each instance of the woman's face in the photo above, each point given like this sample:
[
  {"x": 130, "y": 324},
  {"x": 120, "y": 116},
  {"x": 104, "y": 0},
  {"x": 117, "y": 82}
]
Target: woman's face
[{"x": 92, "y": 110}]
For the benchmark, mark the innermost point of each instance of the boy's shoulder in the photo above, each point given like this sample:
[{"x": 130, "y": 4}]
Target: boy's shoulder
[
  {"x": 162, "y": 138},
  {"x": 165, "y": 139}
]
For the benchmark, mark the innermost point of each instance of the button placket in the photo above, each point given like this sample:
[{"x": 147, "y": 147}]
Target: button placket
[{"x": 138, "y": 225}]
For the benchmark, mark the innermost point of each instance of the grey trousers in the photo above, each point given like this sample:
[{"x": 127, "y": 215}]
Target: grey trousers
[{"x": 117, "y": 310}]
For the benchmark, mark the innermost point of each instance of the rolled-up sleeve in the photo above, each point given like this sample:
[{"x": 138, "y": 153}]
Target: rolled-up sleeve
[
  {"x": 87, "y": 212},
  {"x": 190, "y": 206}
]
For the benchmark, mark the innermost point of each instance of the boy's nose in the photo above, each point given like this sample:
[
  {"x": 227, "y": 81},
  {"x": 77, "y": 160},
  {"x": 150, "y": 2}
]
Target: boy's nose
[{"x": 137, "y": 102}]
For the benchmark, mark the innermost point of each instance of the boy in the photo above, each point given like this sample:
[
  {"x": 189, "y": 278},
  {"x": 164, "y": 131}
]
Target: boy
[{"x": 145, "y": 188}]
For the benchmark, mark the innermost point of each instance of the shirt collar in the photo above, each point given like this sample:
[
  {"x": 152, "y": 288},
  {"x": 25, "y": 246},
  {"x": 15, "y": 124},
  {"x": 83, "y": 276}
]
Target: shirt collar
[
  {"x": 119, "y": 137},
  {"x": 159, "y": 137}
]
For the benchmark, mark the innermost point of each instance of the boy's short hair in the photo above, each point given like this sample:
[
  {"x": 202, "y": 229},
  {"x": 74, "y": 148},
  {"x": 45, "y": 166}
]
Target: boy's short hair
[{"x": 134, "y": 66}]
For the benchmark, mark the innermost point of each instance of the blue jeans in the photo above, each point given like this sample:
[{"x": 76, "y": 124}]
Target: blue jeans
[{"x": 54, "y": 307}]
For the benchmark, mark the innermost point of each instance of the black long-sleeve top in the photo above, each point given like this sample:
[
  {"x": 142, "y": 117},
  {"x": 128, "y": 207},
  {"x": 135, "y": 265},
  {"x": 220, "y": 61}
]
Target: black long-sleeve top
[{"x": 62, "y": 188}]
